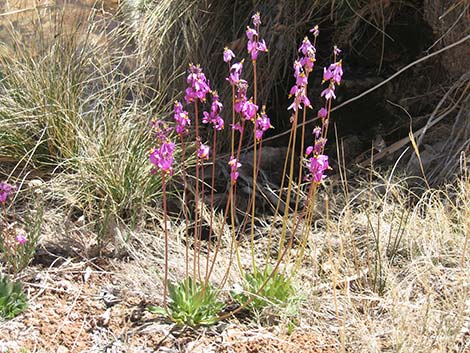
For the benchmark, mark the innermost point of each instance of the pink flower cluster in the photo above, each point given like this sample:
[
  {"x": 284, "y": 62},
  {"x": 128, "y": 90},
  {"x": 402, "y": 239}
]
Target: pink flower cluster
[
  {"x": 203, "y": 151},
  {"x": 234, "y": 165},
  {"x": 302, "y": 68},
  {"x": 5, "y": 191},
  {"x": 245, "y": 106},
  {"x": 254, "y": 45},
  {"x": 333, "y": 75},
  {"x": 262, "y": 124},
  {"x": 213, "y": 117},
  {"x": 228, "y": 55},
  {"x": 162, "y": 157},
  {"x": 181, "y": 118},
  {"x": 317, "y": 165},
  {"x": 234, "y": 74},
  {"x": 198, "y": 85}
]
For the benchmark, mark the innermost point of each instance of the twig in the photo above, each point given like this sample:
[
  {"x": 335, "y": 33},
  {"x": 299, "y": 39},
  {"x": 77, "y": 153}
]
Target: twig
[{"x": 370, "y": 90}]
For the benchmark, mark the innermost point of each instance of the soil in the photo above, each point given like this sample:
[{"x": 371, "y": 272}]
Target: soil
[{"x": 77, "y": 306}]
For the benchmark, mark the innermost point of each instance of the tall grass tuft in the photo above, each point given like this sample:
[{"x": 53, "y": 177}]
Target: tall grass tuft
[{"x": 75, "y": 107}]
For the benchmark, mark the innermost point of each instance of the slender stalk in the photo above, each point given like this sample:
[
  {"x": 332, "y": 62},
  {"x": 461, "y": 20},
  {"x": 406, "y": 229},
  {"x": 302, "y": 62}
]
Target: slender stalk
[
  {"x": 185, "y": 211},
  {"x": 253, "y": 203},
  {"x": 279, "y": 199},
  {"x": 196, "y": 199},
  {"x": 165, "y": 227},
  {"x": 199, "y": 226},
  {"x": 289, "y": 185},
  {"x": 230, "y": 203},
  {"x": 214, "y": 152}
]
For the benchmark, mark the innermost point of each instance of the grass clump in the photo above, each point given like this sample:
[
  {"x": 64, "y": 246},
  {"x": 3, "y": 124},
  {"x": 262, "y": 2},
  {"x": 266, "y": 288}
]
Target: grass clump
[
  {"x": 264, "y": 289},
  {"x": 192, "y": 303},
  {"x": 13, "y": 300}
]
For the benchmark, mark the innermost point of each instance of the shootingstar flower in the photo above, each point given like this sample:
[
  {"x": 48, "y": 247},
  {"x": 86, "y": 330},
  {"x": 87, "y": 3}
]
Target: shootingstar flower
[
  {"x": 235, "y": 72},
  {"x": 162, "y": 157},
  {"x": 249, "y": 110},
  {"x": 336, "y": 50},
  {"x": 315, "y": 31},
  {"x": 317, "y": 131},
  {"x": 317, "y": 166},
  {"x": 236, "y": 127},
  {"x": 256, "y": 18},
  {"x": 329, "y": 93},
  {"x": 262, "y": 124},
  {"x": 234, "y": 165},
  {"x": 181, "y": 118},
  {"x": 228, "y": 55},
  {"x": 322, "y": 113},
  {"x": 214, "y": 116},
  {"x": 203, "y": 151},
  {"x": 198, "y": 85}
]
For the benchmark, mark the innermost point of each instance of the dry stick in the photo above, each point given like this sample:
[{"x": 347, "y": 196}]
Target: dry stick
[
  {"x": 400, "y": 143},
  {"x": 433, "y": 114},
  {"x": 370, "y": 90}
]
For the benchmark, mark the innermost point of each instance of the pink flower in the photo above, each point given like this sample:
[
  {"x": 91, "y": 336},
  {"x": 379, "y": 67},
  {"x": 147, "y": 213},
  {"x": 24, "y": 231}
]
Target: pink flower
[
  {"x": 336, "y": 50},
  {"x": 256, "y": 19},
  {"x": 319, "y": 145},
  {"x": 198, "y": 85},
  {"x": 249, "y": 110},
  {"x": 240, "y": 98},
  {"x": 162, "y": 157},
  {"x": 237, "y": 127},
  {"x": 262, "y": 124},
  {"x": 251, "y": 34},
  {"x": 228, "y": 55},
  {"x": 254, "y": 46},
  {"x": 5, "y": 191},
  {"x": 317, "y": 166},
  {"x": 322, "y": 113},
  {"x": 203, "y": 151},
  {"x": 306, "y": 47},
  {"x": 181, "y": 118},
  {"x": 235, "y": 72},
  {"x": 214, "y": 116},
  {"x": 234, "y": 165},
  {"x": 317, "y": 131},
  {"x": 315, "y": 31},
  {"x": 308, "y": 151},
  {"x": 329, "y": 93},
  {"x": 334, "y": 73},
  {"x": 21, "y": 239}
]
